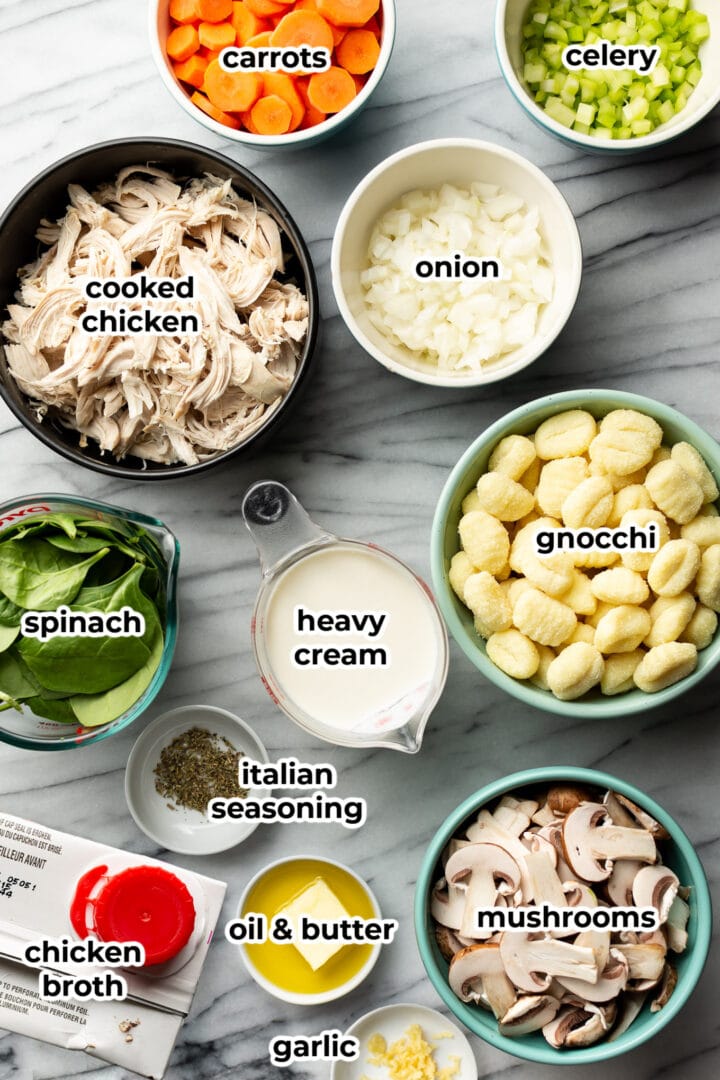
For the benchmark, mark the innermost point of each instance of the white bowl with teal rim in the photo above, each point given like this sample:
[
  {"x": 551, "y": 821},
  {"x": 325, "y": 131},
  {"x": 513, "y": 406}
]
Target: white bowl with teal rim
[{"x": 509, "y": 18}]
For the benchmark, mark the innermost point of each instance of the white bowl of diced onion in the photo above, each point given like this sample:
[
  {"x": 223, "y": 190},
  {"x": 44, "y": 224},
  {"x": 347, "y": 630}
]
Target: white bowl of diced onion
[
  {"x": 509, "y": 18},
  {"x": 492, "y": 173}
]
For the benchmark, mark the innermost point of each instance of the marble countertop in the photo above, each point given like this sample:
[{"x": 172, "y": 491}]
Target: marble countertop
[{"x": 367, "y": 453}]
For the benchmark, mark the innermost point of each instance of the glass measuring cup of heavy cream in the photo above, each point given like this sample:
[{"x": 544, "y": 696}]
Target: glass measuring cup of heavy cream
[{"x": 348, "y": 640}]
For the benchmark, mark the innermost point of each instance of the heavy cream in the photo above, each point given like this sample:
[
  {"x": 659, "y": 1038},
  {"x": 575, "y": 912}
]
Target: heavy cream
[{"x": 352, "y": 639}]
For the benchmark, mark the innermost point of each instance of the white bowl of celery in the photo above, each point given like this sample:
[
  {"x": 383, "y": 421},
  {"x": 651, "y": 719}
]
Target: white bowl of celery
[{"x": 603, "y": 108}]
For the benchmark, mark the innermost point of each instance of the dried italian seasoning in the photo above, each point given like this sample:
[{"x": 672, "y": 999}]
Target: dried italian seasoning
[{"x": 196, "y": 767}]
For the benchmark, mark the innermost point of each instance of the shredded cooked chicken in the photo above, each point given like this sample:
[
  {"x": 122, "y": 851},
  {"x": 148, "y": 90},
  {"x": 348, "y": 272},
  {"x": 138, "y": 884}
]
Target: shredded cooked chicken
[{"x": 164, "y": 399}]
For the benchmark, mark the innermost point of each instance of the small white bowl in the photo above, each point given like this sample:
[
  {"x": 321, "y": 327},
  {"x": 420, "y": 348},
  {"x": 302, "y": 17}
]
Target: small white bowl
[
  {"x": 160, "y": 26},
  {"x": 509, "y": 16},
  {"x": 329, "y": 995},
  {"x": 186, "y": 832},
  {"x": 392, "y": 1021},
  {"x": 429, "y": 165}
]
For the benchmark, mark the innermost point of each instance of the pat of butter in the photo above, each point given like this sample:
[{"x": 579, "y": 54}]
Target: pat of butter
[{"x": 320, "y": 903}]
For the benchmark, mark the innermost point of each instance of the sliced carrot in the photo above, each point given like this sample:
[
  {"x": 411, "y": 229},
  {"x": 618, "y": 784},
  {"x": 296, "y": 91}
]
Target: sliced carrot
[
  {"x": 192, "y": 71},
  {"x": 331, "y": 90},
  {"x": 245, "y": 22},
  {"x": 207, "y": 54},
  {"x": 306, "y": 5},
  {"x": 182, "y": 42},
  {"x": 312, "y": 116},
  {"x": 260, "y": 41},
  {"x": 359, "y": 81},
  {"x": 271, "y": 115},
  {"x": 303, "y": 28},
  {"x": 348, "y": 12},
  {"x": 358, "y": 52},
  {"x": 247, "y": 122},
  {"x": 282, "y": 85},
  {"x": 184, "y": 11},
  {"x": 235, "y": 91},
  {"x": 217, "y": 114},
  {"x": 216, "y": 36},
  {"x": 214, "y": 10},
  {"x": 263, "y": 8}
]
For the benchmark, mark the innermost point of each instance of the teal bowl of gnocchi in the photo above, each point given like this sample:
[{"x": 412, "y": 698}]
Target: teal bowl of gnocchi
[{"x": 576, "y": 553}]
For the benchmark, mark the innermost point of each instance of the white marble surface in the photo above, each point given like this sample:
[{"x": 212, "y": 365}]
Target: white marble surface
[{"x": 368, "y": 452}]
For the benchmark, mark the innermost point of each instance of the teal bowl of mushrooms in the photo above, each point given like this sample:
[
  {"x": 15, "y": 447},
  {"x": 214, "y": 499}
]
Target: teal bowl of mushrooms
[{"x": 578, "y": 841}]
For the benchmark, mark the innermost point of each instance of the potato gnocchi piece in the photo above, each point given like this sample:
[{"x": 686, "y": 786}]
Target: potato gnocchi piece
[
  {"x": 589, "y": 505},
  {"x": 547, "y": 655},
  {"x": 700, "y": 631},
  {"x": 669, "y": 616},
  {"x": 708, "y": 579},
  {"x": 580, "y": 595},
  {"x": 471, "y": 502},
  {"x": 551, "y": 573},
  {"x": 531, "y": 478},
  {"x": 460, "y": 570},
  {"x": 576, "y": 670},
  {"x": 618, "y": 483},
  {"x": 595, "y": 560},
  {"x": 633, "y": 497},
  {"x": 619, "y": 670},
  {"x": 600, "y": 612},
  {"x": 622, "y": 629},
  {"x": 704, "y": 530},
  {"x": 626, "y": 442},
  {"x": 558, "y": 480},
  {"x": 674, "y": 491},
  {"x": 513, "y": 456},
  {"x": 488, "y": 604},
  {"x": 642, "y": 560},
  {"x": 514, "y": 654},
  {"x": 582, "y": 632},
  {"x": 503, "y": 498},
  {"x": 665, "y": 665},
  {"x": 687, "y": 457},
  {"x": 485, "y": 541},
  {"x": 674, "y": 568},
  {"x": 543, "y": 619},
  {"x": 663, "y": 453},
  {"x": 620, "y": 586},
  {"x": 567, "y": 434},
  {"x": 517, "y": 587}
]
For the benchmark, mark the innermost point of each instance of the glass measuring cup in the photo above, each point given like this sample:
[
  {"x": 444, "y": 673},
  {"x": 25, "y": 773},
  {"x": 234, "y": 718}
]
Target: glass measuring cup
[
  {"x": 32, "y": 732},
  {"x": 285, "y": 535}
]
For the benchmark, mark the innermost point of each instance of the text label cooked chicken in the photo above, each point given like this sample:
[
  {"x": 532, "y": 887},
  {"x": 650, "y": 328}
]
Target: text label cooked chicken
[{"x": 175, "y": 398}]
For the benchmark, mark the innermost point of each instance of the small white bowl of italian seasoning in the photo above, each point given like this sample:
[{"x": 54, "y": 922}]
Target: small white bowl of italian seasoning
[
  {"x": 456, "y": 263},
  {"x": 182, "y": 760}
]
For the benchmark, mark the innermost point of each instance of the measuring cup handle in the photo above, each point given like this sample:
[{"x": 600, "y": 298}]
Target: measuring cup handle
[{"x": 279, "y": 525}]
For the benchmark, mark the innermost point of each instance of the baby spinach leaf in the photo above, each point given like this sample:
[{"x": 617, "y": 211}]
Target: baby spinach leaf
[
  {"x": 40, "y": 577},
  {"x": 10, "y": 614},
  {"x": 16, "y": 680},
  {"x": 91, "y": 665},
  {"x": 83, "y": 545},
  {"x": 94, "y": 710},
  {"x": 58, "y": 709},
  {"x": 66, "y": 522},
  {"x": 8, "y": 635}
]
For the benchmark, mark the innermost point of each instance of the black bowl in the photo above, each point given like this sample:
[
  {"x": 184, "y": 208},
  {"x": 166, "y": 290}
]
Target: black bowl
[{"x": 46, "y": 197}]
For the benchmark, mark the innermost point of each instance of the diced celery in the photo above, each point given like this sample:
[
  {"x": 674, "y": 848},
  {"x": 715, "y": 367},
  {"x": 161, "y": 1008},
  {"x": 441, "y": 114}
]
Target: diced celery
[
  {"x": 660, "y": 76},
  {"x": 557, "y": 110},
  {"x": 666, "y": 111},
  {"x": 586, "y": 114},
  {"x": 641, "y": 127},
  {"x": 534, "y": 73}
]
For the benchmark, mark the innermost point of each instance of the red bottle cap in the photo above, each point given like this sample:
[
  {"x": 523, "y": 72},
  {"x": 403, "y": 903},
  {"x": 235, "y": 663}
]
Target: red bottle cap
[{"x": 146, "y": 904}]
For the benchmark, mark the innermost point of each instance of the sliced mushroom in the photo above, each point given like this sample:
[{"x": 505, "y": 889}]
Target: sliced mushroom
[
  {"x": 645, "y": 963},
  {"x": 667, "y": 986},
  {"x": 607, "y": 986},
  {"x": 454, "y": 845},
  {"x": 478, "y": 971},
  {"x": 607, "y": 1011},
  {"x": 553, "y": 835},
  {"x": 447, "y": 904},
  {"x": 579, "y": 895},
  {"x": 546, "y": 885},
  {"x": 531, "y": 961},
  {"x": 513, "y": 815},
  {"x": 566, "y": 797},
  {"x": 599, "y": 942},
  {"x": 485, "y": 830},
  {"x": 620, "y": 883},
  {"x": 529, "y": 1013},
  {"x": 677, "y": 925},
  {"x": 630, "y": 1008},
  {"x": 640, "y": 817},
  {"x": 656, "y": 887},
  {"x": 618, "y": 814},
  {"x": 544, "y": 816},
  {"x": 574, "y": 1027},
  {"x": 447, "y": 942},
  {"x": 484, "y": 870},
  {"x": 591, "y": 845}
]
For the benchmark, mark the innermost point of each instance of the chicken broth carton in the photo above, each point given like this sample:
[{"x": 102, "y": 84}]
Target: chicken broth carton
[{"x": 100, "y": 950}]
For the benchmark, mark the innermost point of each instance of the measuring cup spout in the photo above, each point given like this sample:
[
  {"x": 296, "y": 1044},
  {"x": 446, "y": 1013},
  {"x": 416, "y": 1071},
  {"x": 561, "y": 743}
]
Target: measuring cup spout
[{"x": 278, "y": 523}]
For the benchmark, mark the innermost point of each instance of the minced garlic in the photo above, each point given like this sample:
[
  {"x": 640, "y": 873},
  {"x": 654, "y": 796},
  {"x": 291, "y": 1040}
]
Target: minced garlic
[{"x": 410, "y": 1057}]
